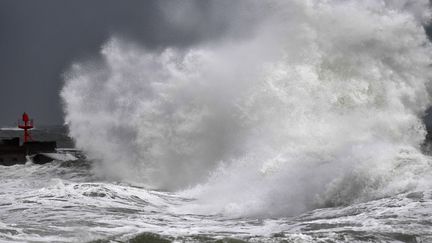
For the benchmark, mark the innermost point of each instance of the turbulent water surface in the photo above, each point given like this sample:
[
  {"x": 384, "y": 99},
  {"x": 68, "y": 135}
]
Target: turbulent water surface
[
  {"x": 63, "y": 202},
  {"x": 301, "y": 122}
]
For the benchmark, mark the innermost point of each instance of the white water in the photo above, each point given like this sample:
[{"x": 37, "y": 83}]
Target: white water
[
  {"x": 63, "y": 202},
  {"x": 319, "y": 105}
]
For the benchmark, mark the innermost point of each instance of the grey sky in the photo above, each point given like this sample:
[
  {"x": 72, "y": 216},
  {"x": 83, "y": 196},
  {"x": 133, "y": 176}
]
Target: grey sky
[{"x": 40, "y": 39}]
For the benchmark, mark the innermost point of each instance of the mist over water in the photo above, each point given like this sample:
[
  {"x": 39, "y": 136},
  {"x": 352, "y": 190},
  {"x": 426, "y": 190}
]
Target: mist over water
[{"x": 318, "y": 104}]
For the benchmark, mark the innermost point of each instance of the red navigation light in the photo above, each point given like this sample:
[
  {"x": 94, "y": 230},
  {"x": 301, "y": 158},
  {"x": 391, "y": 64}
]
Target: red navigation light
[{"x": 28, "y": 124}]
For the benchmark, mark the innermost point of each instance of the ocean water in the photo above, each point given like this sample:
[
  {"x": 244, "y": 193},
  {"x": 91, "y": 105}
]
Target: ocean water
[
  {"x": 302, "y": 123},
  {"x": 64, "y": 202}
]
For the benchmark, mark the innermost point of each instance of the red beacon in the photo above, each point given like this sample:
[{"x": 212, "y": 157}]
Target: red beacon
[{"x": 28, "y": 124}]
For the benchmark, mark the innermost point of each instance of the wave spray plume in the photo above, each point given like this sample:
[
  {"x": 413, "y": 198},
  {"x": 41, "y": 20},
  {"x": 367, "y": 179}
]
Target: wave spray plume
[{"x": 319, "y": 105}]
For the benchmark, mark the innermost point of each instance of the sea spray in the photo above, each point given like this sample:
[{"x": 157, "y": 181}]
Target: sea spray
[{"x": 273, "y": 124}]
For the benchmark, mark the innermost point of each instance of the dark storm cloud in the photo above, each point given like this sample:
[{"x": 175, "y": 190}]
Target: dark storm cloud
[{"x": 40, "y": 39}]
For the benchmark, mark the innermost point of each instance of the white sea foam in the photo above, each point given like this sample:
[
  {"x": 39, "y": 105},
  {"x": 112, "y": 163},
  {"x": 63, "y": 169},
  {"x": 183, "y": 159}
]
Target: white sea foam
[
  {"x": 63, "y": 202},
  {"x": 320, "y": 105}
]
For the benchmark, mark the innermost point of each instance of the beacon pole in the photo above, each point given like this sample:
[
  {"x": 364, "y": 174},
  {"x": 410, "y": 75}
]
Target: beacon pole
[{"x": 28, "y": 124}]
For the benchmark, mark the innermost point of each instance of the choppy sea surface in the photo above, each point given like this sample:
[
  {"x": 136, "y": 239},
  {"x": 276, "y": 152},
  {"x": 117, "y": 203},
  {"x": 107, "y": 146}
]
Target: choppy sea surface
[
  {"x": 302, "y": 122},
  {"x": 64, "y": 202}
]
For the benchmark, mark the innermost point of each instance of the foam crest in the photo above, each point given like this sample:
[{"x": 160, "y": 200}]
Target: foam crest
[{"x": 273, "y": 124}]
